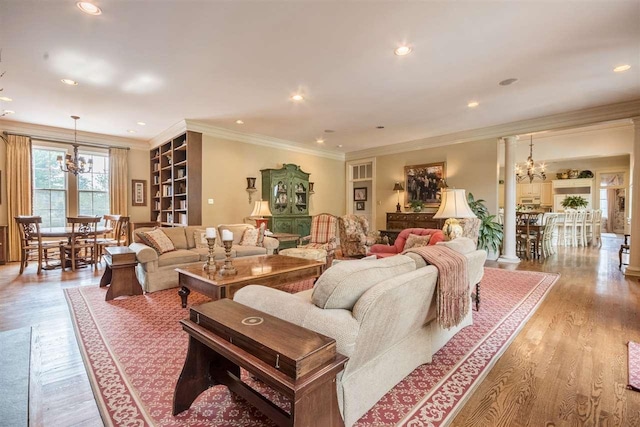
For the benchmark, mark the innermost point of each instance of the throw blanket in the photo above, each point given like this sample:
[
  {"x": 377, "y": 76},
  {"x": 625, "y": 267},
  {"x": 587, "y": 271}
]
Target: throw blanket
[{"x": 453, "y": 299}]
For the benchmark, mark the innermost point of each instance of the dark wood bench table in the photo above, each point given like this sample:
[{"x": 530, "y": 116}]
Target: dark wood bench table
[
  {"x": 225, "y": 336},
  {"x": 120, "y": 272}
]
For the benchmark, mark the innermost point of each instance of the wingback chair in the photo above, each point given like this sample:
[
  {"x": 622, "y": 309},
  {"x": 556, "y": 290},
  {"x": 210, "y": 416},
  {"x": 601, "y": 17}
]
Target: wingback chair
[
  {"x": 382, "y": 251},
  {"x": 322, "y": 235},
  {"x": 355, "y": 238},
  {"x": 471, "y": 228}
]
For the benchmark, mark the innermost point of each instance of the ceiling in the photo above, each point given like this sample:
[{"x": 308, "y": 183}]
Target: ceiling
[{"x": 160, "y": 62}]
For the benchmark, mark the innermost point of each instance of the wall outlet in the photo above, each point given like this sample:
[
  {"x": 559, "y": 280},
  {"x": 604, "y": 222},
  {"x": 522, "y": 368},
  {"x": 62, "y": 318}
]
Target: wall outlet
[{"x": 210, "y": 201}]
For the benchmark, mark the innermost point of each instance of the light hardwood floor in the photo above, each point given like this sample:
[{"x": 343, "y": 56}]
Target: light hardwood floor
[{"x": 567, "y": 367}]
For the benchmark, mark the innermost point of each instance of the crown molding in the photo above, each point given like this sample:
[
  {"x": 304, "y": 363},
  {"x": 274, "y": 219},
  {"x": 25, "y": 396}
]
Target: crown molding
[
  {"x": 561, "y": 121},
  {"x": 169, "y": 133},
  {"x": 265, "y": 141},
  {"x": 62, "y": 134}
]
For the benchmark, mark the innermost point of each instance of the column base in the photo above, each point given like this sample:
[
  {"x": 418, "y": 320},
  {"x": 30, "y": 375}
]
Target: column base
[
  {"x": 632, "y": 273},
  {"x": 509, "y": 259}
]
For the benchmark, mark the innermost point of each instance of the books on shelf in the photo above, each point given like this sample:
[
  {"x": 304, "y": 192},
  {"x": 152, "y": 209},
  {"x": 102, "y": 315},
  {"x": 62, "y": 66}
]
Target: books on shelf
[
  {"x": 183, "y": 204},
  {"x": 182, "y": 218},
  {"x": 167, "y": 190}
]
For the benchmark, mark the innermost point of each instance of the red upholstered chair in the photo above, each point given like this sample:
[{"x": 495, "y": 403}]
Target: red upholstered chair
[{"x": 382, "y": 251}]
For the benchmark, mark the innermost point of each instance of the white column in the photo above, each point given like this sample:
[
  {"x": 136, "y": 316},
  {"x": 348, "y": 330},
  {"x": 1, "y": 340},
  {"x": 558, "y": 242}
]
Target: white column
[
  {"x": 633, "y": 270},
  {"x": 509, "y": 226}
]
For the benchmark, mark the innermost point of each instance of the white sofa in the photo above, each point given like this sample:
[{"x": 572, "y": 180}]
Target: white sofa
[
  {"x": 157, "y": 272},
  {"x": 382, "y": 314}
]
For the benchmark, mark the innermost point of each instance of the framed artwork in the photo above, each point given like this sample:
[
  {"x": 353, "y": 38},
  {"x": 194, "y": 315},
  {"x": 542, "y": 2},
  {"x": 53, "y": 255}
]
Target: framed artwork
[
  {"x": 421, "y": 182},
  {"x": 360, "y": 194},
  {"x": 138, "y": 192},
  {"x": 359, "y": 206}
]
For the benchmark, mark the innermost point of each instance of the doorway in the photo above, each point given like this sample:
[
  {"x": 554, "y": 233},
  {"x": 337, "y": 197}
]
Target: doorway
[{"x": 361, "y": 199}]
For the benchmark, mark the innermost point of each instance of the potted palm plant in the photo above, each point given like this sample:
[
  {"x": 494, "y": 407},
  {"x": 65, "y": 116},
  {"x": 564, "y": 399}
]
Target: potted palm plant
[
  {"x": 490, "y": 235},
  {"x": 574, "y": 202}
]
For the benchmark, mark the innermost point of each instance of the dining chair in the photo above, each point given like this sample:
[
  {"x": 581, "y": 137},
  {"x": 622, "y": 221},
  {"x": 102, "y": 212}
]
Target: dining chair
[
  {"x": 566, "y": 228},
  {"x": 82, "y": 245},
  {"x": 119, "y": 236},
  {"x": 579, "y": 233},
  {"x": 547, "y": 246},
  {"x": 594, "y": 228},
  {"x": 31, "y": 241}
]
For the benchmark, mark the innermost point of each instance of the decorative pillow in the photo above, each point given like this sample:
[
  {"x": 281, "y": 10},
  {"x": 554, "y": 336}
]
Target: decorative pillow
[
  {"x": 200, "y": 239},
  {"x": 416, "y": 241},
  {"x": 250, "y": 237},
  {"x": 157, "y": 240}
]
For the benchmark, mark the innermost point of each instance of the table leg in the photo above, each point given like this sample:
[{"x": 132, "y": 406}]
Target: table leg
[
  {"x": 106, "y": 277},
  {"x": 184, "y": 293}
]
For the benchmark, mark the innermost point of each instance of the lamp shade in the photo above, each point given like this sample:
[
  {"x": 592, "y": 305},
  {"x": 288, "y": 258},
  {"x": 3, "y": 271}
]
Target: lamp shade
[
  {"x": 398, "y": 187},
  {"x": 261, "y": 209},
  {"x": 454, "y": 205}
]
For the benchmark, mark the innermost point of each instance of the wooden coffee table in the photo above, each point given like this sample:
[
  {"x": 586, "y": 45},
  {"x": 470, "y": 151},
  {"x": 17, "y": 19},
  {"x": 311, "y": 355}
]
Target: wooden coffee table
[{"x": 266, "y": 270}]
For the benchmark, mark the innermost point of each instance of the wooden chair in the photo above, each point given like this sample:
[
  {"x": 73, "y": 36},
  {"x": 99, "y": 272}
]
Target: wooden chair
[
  {"x": 82, "y": 245},
  {"x": 547, "y": 247},
  {"x": 624, "y": 249},
  {"x": 579, "y": 234},
  {"x": 322, "y": 235},
  {"x": 118, "y": 237},
  {"x": 527, "y": 236},
  {"x": 566, "y": 228},
  {"x": 31, "y": 241}
]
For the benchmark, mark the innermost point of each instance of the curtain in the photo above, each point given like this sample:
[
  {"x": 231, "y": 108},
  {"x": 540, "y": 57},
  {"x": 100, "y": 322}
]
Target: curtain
[
  {"x": 18, "y": 188},
  {"x": 118, "y": 171},
  {"x": 611, "y": 209}
]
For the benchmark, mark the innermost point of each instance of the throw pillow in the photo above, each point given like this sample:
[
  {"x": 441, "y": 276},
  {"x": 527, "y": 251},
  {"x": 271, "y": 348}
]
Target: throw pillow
[
  {"x": 200, "y": 239},
  {"x": 416, "y": 241},
  {"x": 261, "y": 229},
  {"x": 157, "y": 240},
  {"x": 249, "y": 237}
]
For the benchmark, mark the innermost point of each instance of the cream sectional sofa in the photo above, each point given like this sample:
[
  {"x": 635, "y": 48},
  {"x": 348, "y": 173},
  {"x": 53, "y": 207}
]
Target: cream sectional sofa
[
  {"x": 157, "y": 272},
  {"x": 382, "y": 314}
]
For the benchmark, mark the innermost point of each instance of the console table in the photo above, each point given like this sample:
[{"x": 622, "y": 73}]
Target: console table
[{"x": 402, "y": 220}]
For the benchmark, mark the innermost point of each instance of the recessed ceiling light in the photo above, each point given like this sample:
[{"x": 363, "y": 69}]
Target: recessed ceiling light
[
  {"x": 239, "y": 122},
  {"x": 297, "y": 97},
  {"x": 508, "y": 82},
  {"x": 320, "y": 140},
  {"x": 131, "y": 131},
  {"x": 141, "y": 123},
  {"x": 621, "y": 68},
  {"x": 379, "y": 127},
  {"x": 89, "y": 8},
  {"x": 473, "y": 104},
  {"x": 5, "y": 98},
  {"x": 69, "y": 82},
  {"x": 339, "y": 145},
  {"x": 9, "y": 112},
  {"x": 402, "y": 50}
]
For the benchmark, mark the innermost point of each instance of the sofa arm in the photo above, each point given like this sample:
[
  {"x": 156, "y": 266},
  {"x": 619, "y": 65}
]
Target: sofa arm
[
  {"x": 383, "y": 249},
  {"x": 475, "y": 266},
  {"x": 270, "y": 244},
  {"x": 143, "y": 252}
]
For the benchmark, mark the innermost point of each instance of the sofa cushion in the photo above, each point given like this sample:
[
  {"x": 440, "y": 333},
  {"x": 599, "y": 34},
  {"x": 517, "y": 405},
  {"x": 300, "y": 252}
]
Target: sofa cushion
[
  {"x": 177, "y": 236},
  {"x": 249, "y": 250},
  {"x": 179, "y": 256},
  {"x": 158, "y": 240},
  {"x": 343, "y": 284},
  {"x": 218, "y": 253},
  {"x": 463, "y": 245},
  {"x": 415, "y": 241},
  {"x": 199, "y": 239},
  {"x": 249, "y": 237}
]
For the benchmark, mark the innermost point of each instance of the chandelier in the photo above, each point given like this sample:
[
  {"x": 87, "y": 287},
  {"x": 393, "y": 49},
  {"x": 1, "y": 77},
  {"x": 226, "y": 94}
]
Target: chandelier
[
  {"x": 530, "y": 170},
  {"x": 75, "y": 164}
]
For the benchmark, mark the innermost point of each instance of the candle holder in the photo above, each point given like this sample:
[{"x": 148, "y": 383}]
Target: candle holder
[
  {"x": 228, "y": 269},
  {"x": 210, "y": 265}
]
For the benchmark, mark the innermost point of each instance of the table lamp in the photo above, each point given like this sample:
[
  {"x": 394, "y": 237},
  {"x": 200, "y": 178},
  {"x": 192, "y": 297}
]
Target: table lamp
[
  {"x": 453, "y": 206},
  {"x": 398, "y": 188},
  {"x": 260, "y": 210}
]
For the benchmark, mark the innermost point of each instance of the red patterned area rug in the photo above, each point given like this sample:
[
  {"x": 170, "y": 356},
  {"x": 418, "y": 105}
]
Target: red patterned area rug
[
  {"x": 634, "y": 366},
  {"x": 134, "y": 349}
]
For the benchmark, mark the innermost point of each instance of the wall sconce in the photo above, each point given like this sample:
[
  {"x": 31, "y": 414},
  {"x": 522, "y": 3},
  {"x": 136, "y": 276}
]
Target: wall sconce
[
  {"x": 251, "y": 187},
  {"x": 398, "y": 188},
  {"x": 311, "y": 188}
]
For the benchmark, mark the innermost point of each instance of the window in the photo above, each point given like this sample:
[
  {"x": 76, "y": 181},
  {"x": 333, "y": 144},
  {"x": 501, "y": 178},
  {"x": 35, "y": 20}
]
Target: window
[
  {"x": 93, "y": 187},
  {"x": 49, "y": 187}
]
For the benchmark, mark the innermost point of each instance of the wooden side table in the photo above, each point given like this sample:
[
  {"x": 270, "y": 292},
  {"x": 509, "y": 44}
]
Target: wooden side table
[
  {"x": 225, "y": 336},
  {"x": 120, "y": 272},
  {"x": 287, "y": 240}
]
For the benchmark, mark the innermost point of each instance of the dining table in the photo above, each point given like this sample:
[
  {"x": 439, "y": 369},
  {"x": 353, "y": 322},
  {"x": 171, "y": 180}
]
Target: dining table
[{"x": 53, "y": 232}]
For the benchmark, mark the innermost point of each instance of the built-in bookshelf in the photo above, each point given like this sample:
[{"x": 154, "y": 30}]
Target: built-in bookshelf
[{"x": 176, "y": 182}]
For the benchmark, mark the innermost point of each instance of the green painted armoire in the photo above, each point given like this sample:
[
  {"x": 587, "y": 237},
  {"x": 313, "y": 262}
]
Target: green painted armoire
[{"x": 287, "y": 190}]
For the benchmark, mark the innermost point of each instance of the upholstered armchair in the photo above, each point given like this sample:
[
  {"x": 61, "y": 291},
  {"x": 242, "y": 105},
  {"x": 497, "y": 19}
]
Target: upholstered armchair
[
  {"x": 355, "y": 238},
  {"x": 322, "y": 235},
  {"x": 471, "y": 228},
  {"x": 382, "y": 251}
]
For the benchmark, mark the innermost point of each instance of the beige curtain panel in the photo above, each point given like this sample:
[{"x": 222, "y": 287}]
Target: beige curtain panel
[
  {"x": 18, "y": 187},
  {"x": 118, "y": 171}
]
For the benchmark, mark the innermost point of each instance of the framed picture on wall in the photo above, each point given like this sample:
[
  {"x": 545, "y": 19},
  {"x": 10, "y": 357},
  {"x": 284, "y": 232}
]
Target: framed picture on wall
[
  {"x": 359, "y": 206},
  {"x": 421, "y": 182},
  {"x": 360, "y": 194},
  {"x": 138, "y": 192}
]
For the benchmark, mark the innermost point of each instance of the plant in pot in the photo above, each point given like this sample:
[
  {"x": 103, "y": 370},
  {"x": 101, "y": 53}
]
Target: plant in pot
[
  {"x": 574, "y": 202},
  {"x": 490, "y": 234},
  {"x": 416, "y": 205}
]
